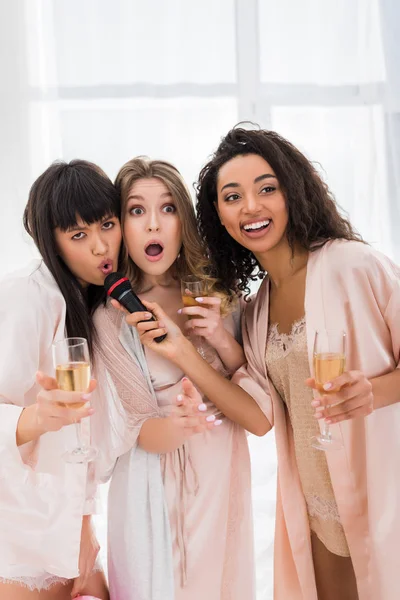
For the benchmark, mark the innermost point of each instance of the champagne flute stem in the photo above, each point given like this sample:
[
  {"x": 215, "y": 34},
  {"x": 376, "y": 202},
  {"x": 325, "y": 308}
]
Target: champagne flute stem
[
  {"x": 78, "y": 431},
  {"x": 200, "y": 344},
  {"x": 201, "y": 349},
  {"x": 326, "y": 433}
]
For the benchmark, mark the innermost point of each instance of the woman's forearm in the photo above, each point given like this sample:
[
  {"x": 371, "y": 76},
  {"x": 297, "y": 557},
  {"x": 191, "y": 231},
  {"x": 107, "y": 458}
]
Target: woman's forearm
[
  {"x": 160, "y": 435},
  {"x": 28, "y": 428},
  {"x": 386, "y": 389},
  {"x": 229, "y": 398},
  {"x": 230, "y": 352}
]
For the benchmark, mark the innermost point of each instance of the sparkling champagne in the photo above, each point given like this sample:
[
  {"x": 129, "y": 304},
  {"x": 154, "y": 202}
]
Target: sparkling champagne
[
  {"x": 73, "y": 377},
  {"x": 190, "y": 301},
  {"x": 327, "y": 366}
]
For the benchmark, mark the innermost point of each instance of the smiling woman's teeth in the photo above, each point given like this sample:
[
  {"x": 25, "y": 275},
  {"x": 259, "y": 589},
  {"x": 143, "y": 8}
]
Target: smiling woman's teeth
[{"x": 255, "y": 226}]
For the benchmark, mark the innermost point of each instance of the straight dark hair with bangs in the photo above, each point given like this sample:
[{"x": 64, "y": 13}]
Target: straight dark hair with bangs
[{"x": 64, "y": 193}]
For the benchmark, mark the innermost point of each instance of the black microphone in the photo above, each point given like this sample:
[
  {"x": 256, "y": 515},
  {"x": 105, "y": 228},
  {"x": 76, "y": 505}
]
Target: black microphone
[{"x": 119, "y": 287}]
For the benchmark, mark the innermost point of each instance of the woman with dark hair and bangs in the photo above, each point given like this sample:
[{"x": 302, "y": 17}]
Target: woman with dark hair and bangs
[{"x": 47, "y": 546}]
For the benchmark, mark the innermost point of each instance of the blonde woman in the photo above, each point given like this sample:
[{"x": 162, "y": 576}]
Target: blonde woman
[{"x": 180, "y": 523}]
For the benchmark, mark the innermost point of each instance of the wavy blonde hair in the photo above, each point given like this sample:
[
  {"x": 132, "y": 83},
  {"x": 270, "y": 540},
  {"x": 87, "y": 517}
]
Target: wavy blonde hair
[{"x": 192, "y": 259}]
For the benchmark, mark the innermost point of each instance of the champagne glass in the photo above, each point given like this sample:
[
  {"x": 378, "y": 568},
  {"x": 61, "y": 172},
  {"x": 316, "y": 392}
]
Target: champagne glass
[
  {"x": 192, "y": 288},
  {"x": 329, "y": 362},
  {"x": 71, "y": 361}
]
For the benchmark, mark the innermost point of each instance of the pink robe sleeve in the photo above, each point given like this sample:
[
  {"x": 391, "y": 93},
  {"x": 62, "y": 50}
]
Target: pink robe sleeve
[
  {"x": 376, "y": 273},
  {"x": 252, "y": 376},
  {"x": 123, "y": 398},
  {"x": 392, "y": 319}
]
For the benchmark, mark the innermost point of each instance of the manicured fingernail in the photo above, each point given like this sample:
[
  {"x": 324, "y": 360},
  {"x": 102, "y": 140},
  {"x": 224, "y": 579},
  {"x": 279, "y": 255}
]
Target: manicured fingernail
[
  {"x": 315, "y": 403},
  {"x": 86, "y": 396},
  {"x": 179, "y": 311},
  {"x": 147, "y": 315},
  {"x": 199, "y": 299},
  {"x": 91, "y": 412},
  {"x": 328, "y": 421},
  {"x": 327, "y": 386},
  {"x": 202, "y": 407},
  {"x": 179, "y": 398},
  {"x": 218, "y": 422},
  {"x": 318, "y": 415},
  {"x": 161, "y": 324},
  {"x": 185, "y": 379},
  {"x": 210, "y": 419}
]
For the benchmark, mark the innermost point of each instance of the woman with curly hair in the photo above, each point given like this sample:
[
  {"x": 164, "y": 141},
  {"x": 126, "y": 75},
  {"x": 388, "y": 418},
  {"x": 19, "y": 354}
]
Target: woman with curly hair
[
  {"x": 179, "y": 522},
  {"x": 264, "y": 210}
]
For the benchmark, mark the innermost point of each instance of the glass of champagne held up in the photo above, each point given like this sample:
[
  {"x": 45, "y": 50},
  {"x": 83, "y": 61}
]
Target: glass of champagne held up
[
  {"x": 192, "y": 288},
  {"x": 329, "y": 362},
  {"x": 71, "y": 361}
]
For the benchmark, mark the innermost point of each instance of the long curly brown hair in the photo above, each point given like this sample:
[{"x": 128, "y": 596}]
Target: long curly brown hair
[{"x": 313, "y": 214}]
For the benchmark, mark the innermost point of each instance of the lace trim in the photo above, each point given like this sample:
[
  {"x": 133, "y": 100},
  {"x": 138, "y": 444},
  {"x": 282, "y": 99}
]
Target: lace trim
[
  {"x": 36, "y": 583},
  {"x": 44, "y": 582},
  {"x": 283, "y": 342},
  {"x": 322, "y": 509}
]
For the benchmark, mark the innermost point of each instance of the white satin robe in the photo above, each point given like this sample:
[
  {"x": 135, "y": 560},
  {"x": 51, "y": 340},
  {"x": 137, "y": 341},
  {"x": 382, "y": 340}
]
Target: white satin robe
[{"x": 42, "y": 498}]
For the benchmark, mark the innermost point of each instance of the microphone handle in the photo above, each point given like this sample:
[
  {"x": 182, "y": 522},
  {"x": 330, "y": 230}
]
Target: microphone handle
[{"x": 132, "y": 303}]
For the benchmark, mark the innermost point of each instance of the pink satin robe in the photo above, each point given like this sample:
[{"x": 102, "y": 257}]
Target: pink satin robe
[{"x": 351, "y": 287}]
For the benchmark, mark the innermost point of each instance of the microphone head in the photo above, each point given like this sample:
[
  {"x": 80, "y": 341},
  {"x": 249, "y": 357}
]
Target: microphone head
[{"x": 116, "y": 284}]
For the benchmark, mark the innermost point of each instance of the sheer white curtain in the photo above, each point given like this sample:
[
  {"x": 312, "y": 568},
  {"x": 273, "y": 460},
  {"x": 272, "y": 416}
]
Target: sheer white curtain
[{"x": 106, "y": 81}]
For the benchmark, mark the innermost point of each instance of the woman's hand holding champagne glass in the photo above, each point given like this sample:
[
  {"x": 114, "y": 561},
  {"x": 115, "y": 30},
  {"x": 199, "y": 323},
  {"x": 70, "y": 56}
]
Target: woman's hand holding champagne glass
[
  {"x": 344, "y": 394},
  {"x": 352, "y": 397},
  {"x": 329, "y": 363},
  {"x": 194, "y": 294},
  {"x": 204, "y": 316},
  {"x": 72, "y": 365},
  {"x": 56, "y": 408},
  {"x": 53, "y": 409}
]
